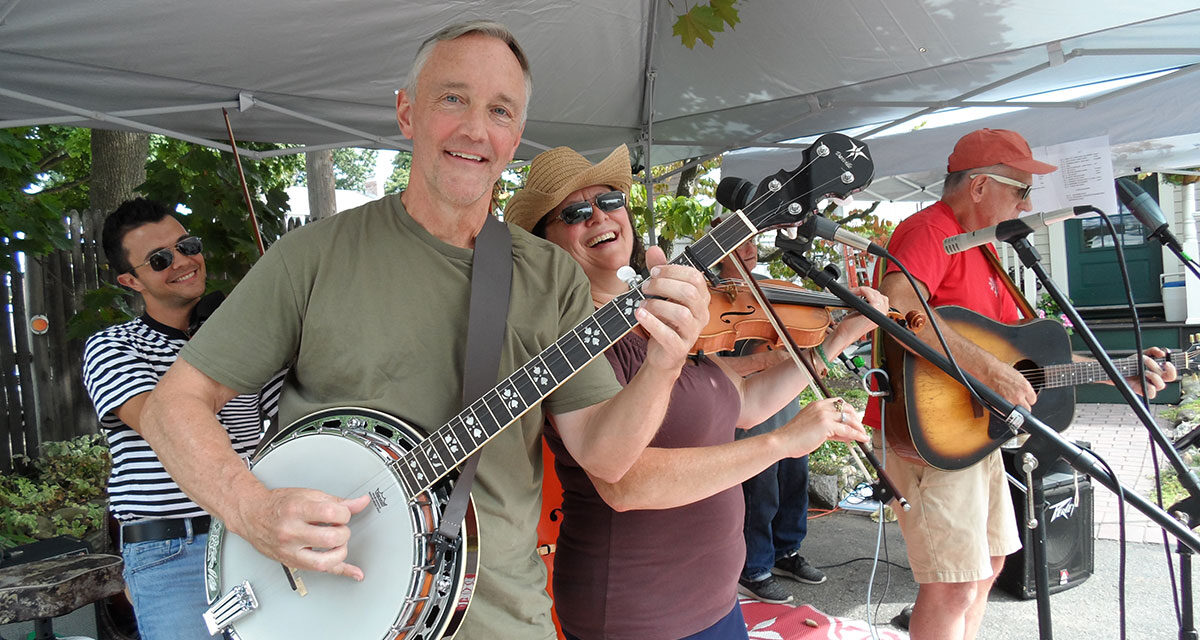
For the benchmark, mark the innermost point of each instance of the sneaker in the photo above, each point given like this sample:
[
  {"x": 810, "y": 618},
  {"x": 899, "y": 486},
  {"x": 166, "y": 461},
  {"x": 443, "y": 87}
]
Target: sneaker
[
  {"x": 767, "y": 590},
  {"x": 903, "y": 618},
  {"x": 797, "y": 568}
]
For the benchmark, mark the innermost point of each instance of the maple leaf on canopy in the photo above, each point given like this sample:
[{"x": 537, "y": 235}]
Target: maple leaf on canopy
[
  {"x": 698, "y": 23},
  {"x": 724, "y": 10}
]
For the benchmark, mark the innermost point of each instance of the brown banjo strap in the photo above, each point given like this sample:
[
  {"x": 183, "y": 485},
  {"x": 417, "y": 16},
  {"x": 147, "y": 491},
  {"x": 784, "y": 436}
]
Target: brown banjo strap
[
  {"x": 491, "y": 281},
  {"x": 1022, "y": 303}
]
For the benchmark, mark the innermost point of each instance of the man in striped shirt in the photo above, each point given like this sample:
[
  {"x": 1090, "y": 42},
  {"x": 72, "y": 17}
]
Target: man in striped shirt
[{"x": 162, "y": 531}]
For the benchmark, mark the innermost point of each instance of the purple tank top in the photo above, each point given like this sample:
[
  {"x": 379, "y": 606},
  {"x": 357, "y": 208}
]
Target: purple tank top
[{"x": 652, "y": 574}]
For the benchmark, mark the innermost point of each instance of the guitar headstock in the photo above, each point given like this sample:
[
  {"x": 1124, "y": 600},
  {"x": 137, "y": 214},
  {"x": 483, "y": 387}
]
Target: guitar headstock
[{"x": 834, "y": 166}]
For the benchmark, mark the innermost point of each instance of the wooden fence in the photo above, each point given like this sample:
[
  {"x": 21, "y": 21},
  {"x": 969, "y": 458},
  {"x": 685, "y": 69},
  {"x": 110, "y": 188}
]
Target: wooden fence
[{"x": 43, "y": 395}]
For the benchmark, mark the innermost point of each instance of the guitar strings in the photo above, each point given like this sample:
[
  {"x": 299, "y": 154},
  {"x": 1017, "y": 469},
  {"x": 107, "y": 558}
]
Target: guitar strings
[{"x": 1040, "y": 375}]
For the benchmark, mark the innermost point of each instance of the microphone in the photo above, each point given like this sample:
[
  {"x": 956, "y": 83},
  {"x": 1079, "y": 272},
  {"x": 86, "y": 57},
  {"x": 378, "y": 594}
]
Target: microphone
[
  {"x": 734, "y": 193},
  {"x": 1009, "y": 229},
  {"x": 822, "y": 227},
  {"x": 1147, "y": 211}
]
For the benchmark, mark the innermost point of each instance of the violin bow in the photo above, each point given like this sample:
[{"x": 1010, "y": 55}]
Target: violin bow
[
  {"x": 888, "y": 491},
  {"x": 237, "y": 158}
]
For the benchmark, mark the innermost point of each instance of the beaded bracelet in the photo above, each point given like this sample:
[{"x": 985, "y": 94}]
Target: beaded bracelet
[{"x": 824, "y": 358}]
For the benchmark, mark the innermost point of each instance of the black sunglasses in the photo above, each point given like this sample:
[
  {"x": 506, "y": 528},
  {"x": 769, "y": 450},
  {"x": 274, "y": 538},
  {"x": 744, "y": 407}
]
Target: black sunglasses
[
  {"x": 163, "y": 258},
  {"x": 581, "y": 211}
]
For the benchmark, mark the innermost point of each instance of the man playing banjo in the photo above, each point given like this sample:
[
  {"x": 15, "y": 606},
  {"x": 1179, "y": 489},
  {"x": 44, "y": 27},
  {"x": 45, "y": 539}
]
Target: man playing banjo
[{"x": 369, "y": 308}]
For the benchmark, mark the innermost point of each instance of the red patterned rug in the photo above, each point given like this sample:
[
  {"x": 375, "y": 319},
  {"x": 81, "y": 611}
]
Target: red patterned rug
[{"x": 785, "y": 622}]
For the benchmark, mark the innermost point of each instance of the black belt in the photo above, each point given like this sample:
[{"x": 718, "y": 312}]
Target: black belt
[{"x": 163, "y": 529}]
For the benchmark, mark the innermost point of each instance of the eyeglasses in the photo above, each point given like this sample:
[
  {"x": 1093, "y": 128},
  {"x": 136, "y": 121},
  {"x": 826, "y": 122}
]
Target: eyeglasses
[
  {"x": 163, "y": 258},
  {"x": 1023, "y": 194},
  {"x": 581, "y": 211}
]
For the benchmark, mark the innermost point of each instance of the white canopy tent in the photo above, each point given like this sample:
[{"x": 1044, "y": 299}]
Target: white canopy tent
[{"x": 322, "y": 75}]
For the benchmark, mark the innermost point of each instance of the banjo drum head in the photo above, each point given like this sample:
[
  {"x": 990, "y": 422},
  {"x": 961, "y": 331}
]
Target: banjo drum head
[{"x": 382, "y": 543}]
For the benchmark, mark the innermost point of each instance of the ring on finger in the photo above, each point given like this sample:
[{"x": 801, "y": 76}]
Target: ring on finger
[{"x": 842, "y": 417}]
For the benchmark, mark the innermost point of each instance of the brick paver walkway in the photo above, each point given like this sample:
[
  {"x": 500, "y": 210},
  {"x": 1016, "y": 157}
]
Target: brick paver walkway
[{"x": 1122, "y": 440}]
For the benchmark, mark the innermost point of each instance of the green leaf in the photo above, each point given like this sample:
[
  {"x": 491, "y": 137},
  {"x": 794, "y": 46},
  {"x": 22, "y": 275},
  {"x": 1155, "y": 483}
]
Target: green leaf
[
  {"x": 692, "y": 26},
  {"x": 724, "y": 10}
]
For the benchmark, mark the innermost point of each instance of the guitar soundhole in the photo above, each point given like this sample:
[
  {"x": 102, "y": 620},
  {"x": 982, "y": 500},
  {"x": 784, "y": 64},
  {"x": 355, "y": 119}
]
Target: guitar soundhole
[{"x": 1030, "y": 370}]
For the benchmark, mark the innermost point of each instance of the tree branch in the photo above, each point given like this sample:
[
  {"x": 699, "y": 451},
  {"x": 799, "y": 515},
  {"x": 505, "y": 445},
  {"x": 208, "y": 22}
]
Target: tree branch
[
  {"x": 859, "y": 215},
  {"x": 65, "y": 186},
  {"x": 50, "y": 162}
]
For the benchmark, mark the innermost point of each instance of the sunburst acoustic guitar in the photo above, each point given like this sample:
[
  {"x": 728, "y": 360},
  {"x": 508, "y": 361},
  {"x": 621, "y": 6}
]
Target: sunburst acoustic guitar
[{"x": 933, "y": 420}]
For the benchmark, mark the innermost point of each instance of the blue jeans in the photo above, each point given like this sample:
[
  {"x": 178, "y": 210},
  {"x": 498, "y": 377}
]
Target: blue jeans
[
  {"x": 166, "y": 581},
  {"x": 776, "y": 515}
]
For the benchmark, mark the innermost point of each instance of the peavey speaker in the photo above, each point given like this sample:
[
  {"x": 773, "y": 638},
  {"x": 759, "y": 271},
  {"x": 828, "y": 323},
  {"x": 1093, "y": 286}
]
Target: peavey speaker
[{"x": 1069, "y": 551}]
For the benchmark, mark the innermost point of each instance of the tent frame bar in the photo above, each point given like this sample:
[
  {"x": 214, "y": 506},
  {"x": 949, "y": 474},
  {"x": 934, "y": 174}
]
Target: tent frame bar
[{"x": 131, "y": 113}]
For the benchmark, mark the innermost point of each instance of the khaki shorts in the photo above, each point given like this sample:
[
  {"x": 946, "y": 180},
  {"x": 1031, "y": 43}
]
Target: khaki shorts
[{"x": 958, "y": 521}]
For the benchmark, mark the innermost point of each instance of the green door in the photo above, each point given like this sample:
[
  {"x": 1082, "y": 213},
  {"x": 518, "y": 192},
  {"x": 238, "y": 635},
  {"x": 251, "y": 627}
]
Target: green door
[{"x": 1093, "y": 272}]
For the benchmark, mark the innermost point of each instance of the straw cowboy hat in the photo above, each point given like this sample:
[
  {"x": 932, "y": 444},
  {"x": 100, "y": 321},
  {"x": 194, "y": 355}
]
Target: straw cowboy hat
[{"x": 559, "y": 172}]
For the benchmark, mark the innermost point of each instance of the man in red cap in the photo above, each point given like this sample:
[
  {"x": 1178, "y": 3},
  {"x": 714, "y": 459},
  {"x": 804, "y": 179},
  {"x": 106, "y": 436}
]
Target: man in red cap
[{"x": 961, "y": 525}]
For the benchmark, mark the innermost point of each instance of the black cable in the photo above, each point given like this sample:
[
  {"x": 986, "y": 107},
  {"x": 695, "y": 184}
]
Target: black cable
[
  {"x": 866, "y": 558},
  {"x": 1121, "y": 548},
  {"x": 933, "y": 322},
  {"x": 1139, "y": 349}
]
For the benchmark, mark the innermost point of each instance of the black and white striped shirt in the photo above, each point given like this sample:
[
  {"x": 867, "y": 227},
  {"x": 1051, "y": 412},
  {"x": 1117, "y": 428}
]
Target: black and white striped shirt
[{"x": 128, "y": 359}]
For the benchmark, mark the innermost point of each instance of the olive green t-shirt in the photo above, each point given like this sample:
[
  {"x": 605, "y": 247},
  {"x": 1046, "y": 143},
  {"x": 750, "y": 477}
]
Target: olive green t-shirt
[{"x": 369, "y": 309}]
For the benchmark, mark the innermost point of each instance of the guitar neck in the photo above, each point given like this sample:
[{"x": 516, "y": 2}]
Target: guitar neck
[
  {"x": 499, "y": 407},
  {"x": 1076, "y": 373}
]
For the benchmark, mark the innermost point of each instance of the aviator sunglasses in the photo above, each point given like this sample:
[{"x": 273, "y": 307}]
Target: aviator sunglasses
[
  {"x": 581, "y": 211},
  {"x": 160, "y": 259}
]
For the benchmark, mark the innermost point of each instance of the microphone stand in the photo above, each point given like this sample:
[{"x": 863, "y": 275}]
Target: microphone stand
[
  {"x": 1017, "y": 418},
  {"x": 1168, "y": 240},
  {"x": 1187, "y": 510}
]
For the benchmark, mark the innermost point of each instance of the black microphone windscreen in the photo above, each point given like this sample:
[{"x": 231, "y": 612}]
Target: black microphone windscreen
[
  {"x": 203, "y": 309},
  {"x": 734, "y": 193},
  {"x": 1143, "y": 207}
]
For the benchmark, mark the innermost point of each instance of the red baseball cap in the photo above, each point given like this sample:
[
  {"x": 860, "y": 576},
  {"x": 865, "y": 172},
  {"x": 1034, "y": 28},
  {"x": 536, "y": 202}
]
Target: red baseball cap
[{"x": 986, "y": 147}]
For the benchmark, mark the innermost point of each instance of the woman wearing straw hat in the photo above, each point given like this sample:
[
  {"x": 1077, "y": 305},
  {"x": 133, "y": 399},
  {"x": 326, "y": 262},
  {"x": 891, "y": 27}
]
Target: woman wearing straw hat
[{"x": 657, "y": 555}]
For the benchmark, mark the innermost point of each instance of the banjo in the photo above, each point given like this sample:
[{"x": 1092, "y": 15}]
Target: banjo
[{"x": 416, "y": 588}]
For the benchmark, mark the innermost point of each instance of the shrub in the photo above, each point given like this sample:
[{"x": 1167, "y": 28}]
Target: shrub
[{"x": 62, "y": 492}]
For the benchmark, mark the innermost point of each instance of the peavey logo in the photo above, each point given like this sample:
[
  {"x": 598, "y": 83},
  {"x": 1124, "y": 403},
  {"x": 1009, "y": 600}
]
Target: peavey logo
[
  {"x": 1063, "y": 509},
  {"x": 378, "y": 500},
  {"x": 854, "y": 153}
]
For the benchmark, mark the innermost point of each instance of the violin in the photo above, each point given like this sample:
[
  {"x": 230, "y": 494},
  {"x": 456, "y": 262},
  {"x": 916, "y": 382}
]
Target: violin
[{"x": 734, "y": 314}]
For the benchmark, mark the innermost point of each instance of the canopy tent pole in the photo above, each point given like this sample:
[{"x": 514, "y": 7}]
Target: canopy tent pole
[
  {"x": 130, "y": 113},
  {"x": 249, "y": 98},
  {"x": 104, "y": 117},
  {"x": 960, "y": 97},
  {"x": 648, "y": 118}
]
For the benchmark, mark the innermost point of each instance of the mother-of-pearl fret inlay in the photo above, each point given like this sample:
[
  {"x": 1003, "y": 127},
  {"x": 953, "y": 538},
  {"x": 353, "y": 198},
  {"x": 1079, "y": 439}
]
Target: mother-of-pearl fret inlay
[
  {"x": 511, "y": 398},
  {"x": 592, "y": 336},
  {"x": 507, "y": 401},
  {"x": 628, "y": 306}
]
